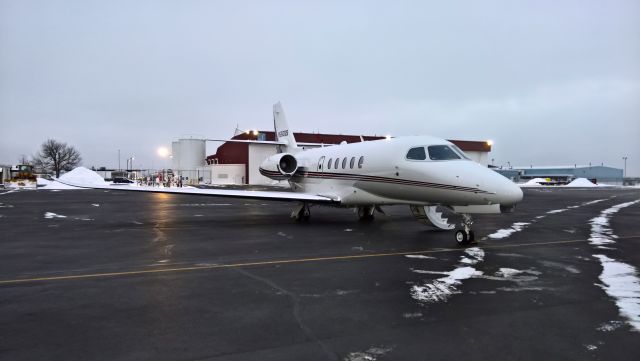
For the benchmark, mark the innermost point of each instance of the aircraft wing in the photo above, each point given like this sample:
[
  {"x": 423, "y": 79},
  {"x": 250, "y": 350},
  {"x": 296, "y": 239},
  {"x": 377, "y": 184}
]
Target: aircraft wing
[{"x": 232, "y": 193}]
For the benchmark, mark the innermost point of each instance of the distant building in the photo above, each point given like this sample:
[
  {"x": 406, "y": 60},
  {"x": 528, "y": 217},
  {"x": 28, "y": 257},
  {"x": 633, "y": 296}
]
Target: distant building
[
  {"x": 513, "y": 174},
  {"x": 243, "y": 159},
  {"x": 5, "y": 173},
  {"x": 565, "y": 174}
]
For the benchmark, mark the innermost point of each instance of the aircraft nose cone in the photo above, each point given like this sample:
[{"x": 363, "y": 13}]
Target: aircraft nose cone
[{"x": 512, "y": 194}]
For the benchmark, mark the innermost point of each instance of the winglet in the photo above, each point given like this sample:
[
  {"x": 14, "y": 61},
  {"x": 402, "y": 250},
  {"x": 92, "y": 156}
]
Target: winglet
[{"x": 282, "y": 130}]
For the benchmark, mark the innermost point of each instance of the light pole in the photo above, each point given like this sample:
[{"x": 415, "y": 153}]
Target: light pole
[
  {"x": 625, "y": 167},
  {"x": 119, "y": 160}
]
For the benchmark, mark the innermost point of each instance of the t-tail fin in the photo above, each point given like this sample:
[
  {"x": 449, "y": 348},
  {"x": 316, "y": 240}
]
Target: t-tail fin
[{"x": 282, "y": 130}]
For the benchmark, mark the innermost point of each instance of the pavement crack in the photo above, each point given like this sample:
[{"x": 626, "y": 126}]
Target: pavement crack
[{"x": 295, "y": 301}]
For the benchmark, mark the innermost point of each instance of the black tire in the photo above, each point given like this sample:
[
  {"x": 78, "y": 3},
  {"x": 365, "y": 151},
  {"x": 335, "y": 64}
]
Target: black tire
[{"x": 461, "y": 237}]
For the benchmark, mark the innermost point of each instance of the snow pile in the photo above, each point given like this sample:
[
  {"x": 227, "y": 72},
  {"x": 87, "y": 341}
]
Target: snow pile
[
  {"x": 83, "y": 176},
  {"x": 42, "y": 182},
  {"x": 79, "y": 176},
  {"x": 535, "y": 182},
  {"x": 581, "y": 182}
]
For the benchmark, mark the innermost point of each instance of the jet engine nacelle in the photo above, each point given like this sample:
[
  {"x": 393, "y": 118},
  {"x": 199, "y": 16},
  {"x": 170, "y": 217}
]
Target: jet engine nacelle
[{"x": 279, "y": 166}]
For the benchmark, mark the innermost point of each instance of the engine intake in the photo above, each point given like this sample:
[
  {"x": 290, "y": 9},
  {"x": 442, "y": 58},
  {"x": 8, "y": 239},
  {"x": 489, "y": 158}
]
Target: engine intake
[{"x": 279, "y": 166}]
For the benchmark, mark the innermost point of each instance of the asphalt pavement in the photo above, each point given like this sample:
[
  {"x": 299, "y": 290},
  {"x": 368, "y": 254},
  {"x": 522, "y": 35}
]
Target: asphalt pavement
[{"x": 108, "y": 275}]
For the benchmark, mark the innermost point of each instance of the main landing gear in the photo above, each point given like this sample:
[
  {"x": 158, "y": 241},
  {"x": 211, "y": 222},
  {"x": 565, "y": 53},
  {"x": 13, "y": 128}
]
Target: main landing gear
[
  {"x": 301, "y": 213},
  {"x": 465, "y": 235},
  {"x": 365, "y": 213}
]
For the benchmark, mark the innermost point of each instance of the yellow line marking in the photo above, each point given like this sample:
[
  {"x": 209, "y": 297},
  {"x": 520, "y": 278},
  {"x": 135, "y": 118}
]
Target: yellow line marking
[{"x": 284, "y": 261}]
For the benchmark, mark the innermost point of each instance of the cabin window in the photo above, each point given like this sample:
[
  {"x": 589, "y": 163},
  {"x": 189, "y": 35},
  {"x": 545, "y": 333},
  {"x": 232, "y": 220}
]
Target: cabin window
[
  {"x": 417, "y": 153},
  {"x": 344, "y": 162},
  {"x": 329, "y": 163},
  {"x": 442, "y": 152},
  {"x": 352, "y": 162},
  {"x": 360, "y": 161}
]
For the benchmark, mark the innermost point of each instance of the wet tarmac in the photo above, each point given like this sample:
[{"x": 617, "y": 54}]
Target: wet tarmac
[{"x": 108, "y": 275}]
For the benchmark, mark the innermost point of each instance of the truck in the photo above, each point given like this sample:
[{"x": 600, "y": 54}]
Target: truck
[{"x": 21, "y": 176}]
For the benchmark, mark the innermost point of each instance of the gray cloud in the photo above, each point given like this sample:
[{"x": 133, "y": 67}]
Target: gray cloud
[{"x": 551, "y": 82}]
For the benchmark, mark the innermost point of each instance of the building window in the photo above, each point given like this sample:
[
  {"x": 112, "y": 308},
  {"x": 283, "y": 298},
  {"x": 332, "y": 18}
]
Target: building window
[
  {"x": 360, "y": 161},
  {"x": 353, "y": 161},
  {"x": 344, "y": 162}
]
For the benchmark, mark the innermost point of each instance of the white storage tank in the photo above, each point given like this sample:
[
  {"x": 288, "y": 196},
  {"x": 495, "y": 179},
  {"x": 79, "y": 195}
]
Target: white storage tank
[
  {"x": 191, "y": 154},
  {"x": 175, "y": 155},
  {"x": 188, "y": 158}
]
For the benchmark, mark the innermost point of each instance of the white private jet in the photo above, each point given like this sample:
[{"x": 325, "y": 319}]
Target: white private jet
[{"x": 420, "y": 171}]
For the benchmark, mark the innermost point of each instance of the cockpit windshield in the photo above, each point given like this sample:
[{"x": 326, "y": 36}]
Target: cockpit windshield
[
  {"x": 436, "y": 152},
  {"x": 417, "y": 153},
  {"x": 460, "y": 152},
  {"x": 442, "y": 152}
]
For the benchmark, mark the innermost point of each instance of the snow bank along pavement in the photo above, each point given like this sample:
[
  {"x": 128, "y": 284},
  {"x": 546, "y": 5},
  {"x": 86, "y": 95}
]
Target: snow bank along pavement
[{"x": 619, "y": 280}]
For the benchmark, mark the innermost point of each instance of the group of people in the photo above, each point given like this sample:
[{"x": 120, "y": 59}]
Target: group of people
[{"x": 159, "y": 181}]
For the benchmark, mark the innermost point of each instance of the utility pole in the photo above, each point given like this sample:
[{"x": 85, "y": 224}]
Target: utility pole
[
  {"x": 119, "y": 160},
  {"x": 625, "y": 167}
]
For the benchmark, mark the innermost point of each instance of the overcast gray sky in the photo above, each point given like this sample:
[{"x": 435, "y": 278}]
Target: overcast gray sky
[{"x": 551, "y": 82}]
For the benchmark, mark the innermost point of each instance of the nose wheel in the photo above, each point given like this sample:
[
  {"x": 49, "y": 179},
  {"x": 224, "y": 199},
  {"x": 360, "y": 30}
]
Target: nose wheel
[{"x": 465, "y": 235}]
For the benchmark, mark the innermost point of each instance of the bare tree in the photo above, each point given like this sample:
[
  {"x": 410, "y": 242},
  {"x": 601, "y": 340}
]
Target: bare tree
[
  {"x": 57, "y": 156},
  {"x": 24, "y": 159}
]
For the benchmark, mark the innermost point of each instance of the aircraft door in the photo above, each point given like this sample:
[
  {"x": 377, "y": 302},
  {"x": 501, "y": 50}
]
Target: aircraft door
[{"x": 321, "y": 164}]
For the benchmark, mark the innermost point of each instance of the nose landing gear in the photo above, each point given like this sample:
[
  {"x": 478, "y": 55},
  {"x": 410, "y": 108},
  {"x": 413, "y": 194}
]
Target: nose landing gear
[{"x": 465, "y": 235}]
